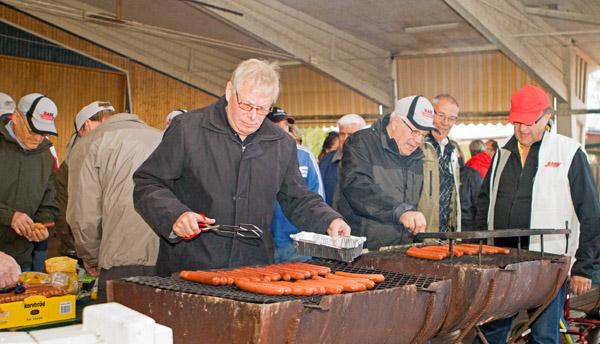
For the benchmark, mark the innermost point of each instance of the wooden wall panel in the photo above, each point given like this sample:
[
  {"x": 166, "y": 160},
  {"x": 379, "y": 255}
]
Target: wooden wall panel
[
  {"x": 70, "y": 87},
  {"x": 481, "y": 82},
  {"x": 307, "y": 94}
]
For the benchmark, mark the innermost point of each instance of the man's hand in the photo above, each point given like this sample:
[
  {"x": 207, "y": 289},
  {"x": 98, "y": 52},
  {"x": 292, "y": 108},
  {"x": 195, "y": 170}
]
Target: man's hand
[
  {"x": 37, "y": 233},
  {"x": 90, "y": 269},
  {"x": 187, "y": 224},
  {"x": 580, "y": 285},
  {"x": 9, "y": 271},
  {"x": 337, "y": 228},
  {"x": 21, "y": 223},
  {"x": 414, "y": 222}
]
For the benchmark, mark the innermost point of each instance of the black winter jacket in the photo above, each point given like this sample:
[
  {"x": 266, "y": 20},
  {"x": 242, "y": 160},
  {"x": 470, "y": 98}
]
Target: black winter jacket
[
  {"x": 201, "y": 166},
  {"x": 470, "y": 184},
  {"x": 377, "y": 185},
  {"x": 27, "y": 186}
]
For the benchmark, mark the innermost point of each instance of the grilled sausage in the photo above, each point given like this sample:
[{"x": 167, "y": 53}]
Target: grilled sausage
[
  {"x": 203, "y": 277},
  {"x": 378, "y": 278},
  {"x": 321, "y": 270},
  {"x": 347, "y": 285},
  {"x": 424, "y": 254},
  {"x": 330, "y": 289},
  {"x": 265, "y": 288},
  {"x": 488, "y": 249},
  {"x": 364, "y": 281},
  {"x": 443, "y": 248}
]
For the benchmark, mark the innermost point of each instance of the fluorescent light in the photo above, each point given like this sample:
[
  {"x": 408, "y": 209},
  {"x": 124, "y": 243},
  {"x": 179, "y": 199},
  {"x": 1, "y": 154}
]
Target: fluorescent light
[{"x": 431, "y": 28}]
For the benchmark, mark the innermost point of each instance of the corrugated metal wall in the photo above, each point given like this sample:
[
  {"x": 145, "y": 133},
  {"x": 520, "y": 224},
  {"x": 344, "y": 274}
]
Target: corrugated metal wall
[
  {"x": 317, "y": 100},
  {"x": 481, "y": 82}
]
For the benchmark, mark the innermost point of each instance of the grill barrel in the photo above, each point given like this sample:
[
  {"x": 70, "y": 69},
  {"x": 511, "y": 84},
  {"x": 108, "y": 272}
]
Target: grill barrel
[{"x": 403, "y": 309}]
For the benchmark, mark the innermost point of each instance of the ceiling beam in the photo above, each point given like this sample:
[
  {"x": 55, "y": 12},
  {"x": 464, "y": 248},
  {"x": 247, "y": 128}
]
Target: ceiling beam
[
  {"x": 565, "y": 15},
  {"x": 498, "y": 21},
  {"x": 356, "y": 63}
]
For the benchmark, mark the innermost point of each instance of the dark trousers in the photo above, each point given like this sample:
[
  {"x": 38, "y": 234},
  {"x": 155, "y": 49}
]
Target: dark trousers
[{"x": 120, "y": 272}]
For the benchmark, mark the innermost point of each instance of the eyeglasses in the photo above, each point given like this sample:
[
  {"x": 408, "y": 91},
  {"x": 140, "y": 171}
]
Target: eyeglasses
[
  {"x": 29, "y": 130},
  {"x": 414, "y": 132},
  {"x": 262, "y": 111},
  {"x": 446, "y": 118}
]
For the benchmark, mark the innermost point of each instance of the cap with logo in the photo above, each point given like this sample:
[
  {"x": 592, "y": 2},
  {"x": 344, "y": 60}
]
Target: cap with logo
[
  {"x": 174, "y": 114},
  {"x": 90, "y": 110},
  {"x": 277, "y": 115},
  {"x": 418, "y": 110},
  {"x": 40, "y": 112},
  {"x": 7, "y": 104},
  {"x": 527, "y": 105}
]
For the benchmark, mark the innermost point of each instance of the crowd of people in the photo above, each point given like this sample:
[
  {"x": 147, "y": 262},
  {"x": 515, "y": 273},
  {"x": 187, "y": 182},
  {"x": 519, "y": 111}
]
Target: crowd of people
[{"x": 129, "y": 199}]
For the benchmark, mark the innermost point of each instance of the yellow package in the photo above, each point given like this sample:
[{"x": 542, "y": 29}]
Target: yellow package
[
  {"x": 34, "y": 278},
  {"x": 63, "y": 271}
]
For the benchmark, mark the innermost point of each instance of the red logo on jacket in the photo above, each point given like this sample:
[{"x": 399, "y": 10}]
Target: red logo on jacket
[
  {"x": 49, "y": 116},
  {"x": 554, "y": 164}
]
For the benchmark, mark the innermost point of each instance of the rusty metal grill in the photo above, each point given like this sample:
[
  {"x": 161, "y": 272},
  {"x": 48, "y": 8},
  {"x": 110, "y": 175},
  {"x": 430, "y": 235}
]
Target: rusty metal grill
[
  {"x": 495, "y": 260},
  {"x": 392, "y": 279}
]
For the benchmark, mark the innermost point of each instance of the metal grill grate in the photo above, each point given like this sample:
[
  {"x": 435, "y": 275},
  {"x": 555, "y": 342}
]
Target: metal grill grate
[
  {"x": 494, "y": 260},
  {"x": 392, "y": 279}
]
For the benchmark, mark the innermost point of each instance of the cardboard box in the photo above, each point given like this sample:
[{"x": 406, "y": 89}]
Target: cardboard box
[{"x": 37, "y": 310}]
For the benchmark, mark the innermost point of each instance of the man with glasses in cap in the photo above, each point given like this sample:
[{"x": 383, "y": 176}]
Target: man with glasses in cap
[
  {"x": 27, "y": 193},
  {"x": 540, "y": 179},
  {"x": 227, "y": 162},
  {"x": 381, "y": 175}
]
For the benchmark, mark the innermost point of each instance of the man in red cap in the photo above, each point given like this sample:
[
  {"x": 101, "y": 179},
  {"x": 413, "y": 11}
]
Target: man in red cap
[{"x": 540, "y": 179}]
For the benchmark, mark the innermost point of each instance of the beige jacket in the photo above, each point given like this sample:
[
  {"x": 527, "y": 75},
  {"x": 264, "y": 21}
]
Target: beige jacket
[{"x": 108, "y": 231}]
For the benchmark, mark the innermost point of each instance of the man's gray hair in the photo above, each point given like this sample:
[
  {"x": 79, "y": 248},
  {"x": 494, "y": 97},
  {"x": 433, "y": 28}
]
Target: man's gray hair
[
  {"x": 263, "y": 75},
  {"x": 476, "y": 147},
  {"x": 445, "y": 96},
  {"x": 352, "y": 119}
]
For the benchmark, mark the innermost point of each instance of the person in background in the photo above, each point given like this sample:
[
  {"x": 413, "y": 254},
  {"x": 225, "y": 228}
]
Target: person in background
[
  {"x": 226, "y": 162},
  {"x": 7, "y": 107},
  {"x": 540, "y": 179},
  {"x": 381, "y": 176},
  {"x": 27, "y": 193},
  {"x": 296, "y": 134},
  {"x": 491, "y": 146},
  {"x": 480, "y": 159},
  {"x": 347, "y": 125},
  {"x": 330, "y": 144},
  {"x": 281, "y": 227},
  {"x": 172, "y": 115},
  {"x": 110, "y": 237},
  {"x": 88, "y": 119},
  {"x": 440, "y": 200},
  {"x": 470, "y": 184},
  {"x": 9, "y": 271}
]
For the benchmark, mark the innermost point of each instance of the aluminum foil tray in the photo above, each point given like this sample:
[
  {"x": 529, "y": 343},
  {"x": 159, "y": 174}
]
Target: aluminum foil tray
[{"x": 344, "y": 249}]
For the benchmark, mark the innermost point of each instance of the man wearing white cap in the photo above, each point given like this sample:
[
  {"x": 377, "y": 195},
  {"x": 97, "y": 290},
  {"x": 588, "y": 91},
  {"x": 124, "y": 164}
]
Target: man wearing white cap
[
  {"x": 7, "y": 107},
  {"x": 110, "y": 237},
  {"x": 27, "y": 191},
  {"x": 88, "y": 119},
  {"x": 172, "y": 115},
  {"x": 381, "y": 175}
]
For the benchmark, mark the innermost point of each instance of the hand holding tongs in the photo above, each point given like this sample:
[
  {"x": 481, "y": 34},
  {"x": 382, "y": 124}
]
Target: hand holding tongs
[{"x": 247, "y": 231}]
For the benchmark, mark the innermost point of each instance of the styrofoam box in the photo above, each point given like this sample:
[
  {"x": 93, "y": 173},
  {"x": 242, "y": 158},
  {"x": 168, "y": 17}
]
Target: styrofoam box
[
  {"x": 163, "y": 334},
  {"x": 16, "y": 338},
  {"x": 65, "y": 335},
  {"x": 117, "y": 324}
]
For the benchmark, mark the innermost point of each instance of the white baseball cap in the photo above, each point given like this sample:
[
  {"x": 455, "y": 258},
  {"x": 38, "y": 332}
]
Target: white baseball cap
[
  {"x": 90, "y": 110},
  {"x": 418, "y": 110},
  {"x": 40, "y": 112},
  {"x": 174, "y": 114},
  {"x": 7, "y": 104}
]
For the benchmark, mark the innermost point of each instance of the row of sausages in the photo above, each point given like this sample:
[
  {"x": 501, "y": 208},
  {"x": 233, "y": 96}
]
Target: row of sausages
[
  {"x": 439, "y": 252},
  {"x": 43, "y": 290},
  {"x": 276, "y": 279}
]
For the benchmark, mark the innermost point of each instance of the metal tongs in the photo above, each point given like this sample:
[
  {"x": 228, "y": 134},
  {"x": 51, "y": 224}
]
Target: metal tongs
[{"x": 243, "y": 230}]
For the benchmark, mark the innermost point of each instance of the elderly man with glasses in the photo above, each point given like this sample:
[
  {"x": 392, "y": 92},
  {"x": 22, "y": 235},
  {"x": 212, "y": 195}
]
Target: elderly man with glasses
[
  {"x": 540, "y": 179},
  {"x": 440, "y": 201},
  {"x": 27, "y": 171},
  {"x": 381, "y": 175},
  {"x": 226, "y": 162}
]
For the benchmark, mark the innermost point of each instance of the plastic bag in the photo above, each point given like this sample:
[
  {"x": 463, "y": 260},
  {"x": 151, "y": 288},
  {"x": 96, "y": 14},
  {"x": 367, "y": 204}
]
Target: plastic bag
[{"x": 63, "y": 272}]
